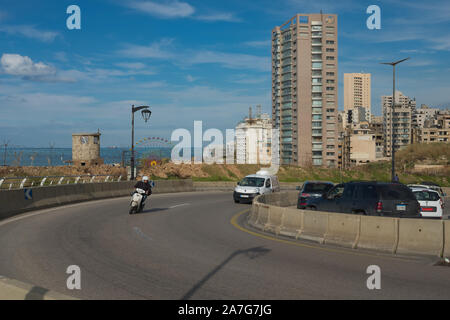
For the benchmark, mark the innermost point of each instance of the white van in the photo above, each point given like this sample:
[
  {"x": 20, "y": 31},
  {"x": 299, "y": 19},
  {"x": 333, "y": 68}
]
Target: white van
[{"x": 253, "y": 185}]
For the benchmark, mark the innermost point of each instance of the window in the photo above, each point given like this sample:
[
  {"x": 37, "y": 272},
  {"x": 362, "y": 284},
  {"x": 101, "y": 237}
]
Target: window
[
  {"x": 396, "y": 192},
  {"x": 336, "y": 192},
  {"x": 330, "y": 42},
  {"x": 317, "y": 162},
  {"x": 367, "y": 192},
  {"x": 317, "y": 187},
  {"x": 303, "y": 19}
]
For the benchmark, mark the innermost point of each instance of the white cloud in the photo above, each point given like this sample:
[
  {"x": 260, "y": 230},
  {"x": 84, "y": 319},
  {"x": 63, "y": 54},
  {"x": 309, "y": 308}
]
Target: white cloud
[
  {"x": 17, "y": 65},
  {"x": 30, "y": 32},
  {"x": 167, "y": 9},
  {"x": 229, "y": 60},
  {"x": 258, "y": 44},
  {"x": 221, "y": 16},
  {"x": 159, "y": 50},
  {"x": 152, "y": 84},
  {"x": 190, "y": 78},
  {"x": 166, "y": 51},
  {"x": 131, "y": 65}
]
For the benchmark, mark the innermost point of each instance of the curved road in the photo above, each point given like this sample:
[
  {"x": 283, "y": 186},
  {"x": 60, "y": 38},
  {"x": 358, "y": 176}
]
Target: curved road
[{"x": 188, "y": 246}]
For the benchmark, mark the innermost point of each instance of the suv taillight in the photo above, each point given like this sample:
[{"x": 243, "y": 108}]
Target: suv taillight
[
  {"x": 306, "y": 195},
  {"x": 379, "y": 206}
]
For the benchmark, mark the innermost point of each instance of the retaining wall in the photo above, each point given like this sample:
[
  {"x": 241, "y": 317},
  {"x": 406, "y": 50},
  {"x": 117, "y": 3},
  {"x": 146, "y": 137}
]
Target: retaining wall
[
  {"x": 14, "y": 202},
  {"x": 403, "y": 236}
]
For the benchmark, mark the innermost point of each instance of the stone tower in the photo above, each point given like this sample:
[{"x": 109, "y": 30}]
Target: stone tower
[{"x": 86, "y": 149}]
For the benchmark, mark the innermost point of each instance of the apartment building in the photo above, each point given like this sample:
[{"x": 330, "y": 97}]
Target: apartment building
[
  {"x": 363, "y": 144},
  {"x": 424, "y": 114},
  {"x": 376, "y": 125},
  {"x": 401, "y": 120},
  {"x": 357, "y": 96},
  {"x": 305, "y": 89},
  {"x": 254, "y": 140},
  {"x": 438, "y": 131}
]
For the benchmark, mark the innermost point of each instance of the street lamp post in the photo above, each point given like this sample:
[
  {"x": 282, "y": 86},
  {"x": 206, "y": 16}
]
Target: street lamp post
[
  {"x": 393, "y": 64},
  {"x": 145, "y": 115}
]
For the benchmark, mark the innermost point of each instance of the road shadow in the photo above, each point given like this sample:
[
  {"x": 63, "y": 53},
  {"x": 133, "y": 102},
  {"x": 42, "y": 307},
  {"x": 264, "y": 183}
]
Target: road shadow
[
  {"x": 153, "y": 210},
  {"x": 36, "y": 293},
  {"x": 252, "y": 253}
]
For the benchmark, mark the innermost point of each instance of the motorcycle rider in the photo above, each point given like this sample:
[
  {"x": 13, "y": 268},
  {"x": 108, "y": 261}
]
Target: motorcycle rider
[{"x": 144, "y": 185}]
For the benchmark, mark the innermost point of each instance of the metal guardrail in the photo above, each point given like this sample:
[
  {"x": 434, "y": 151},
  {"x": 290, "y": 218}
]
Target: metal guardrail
[{"x": 11, "y": 183}]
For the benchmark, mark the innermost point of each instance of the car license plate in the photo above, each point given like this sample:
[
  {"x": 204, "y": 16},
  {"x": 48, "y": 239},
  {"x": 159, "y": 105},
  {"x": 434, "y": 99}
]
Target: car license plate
[
  {"x": 244, "y": 196},
  {"x": 401, "y": 207}
]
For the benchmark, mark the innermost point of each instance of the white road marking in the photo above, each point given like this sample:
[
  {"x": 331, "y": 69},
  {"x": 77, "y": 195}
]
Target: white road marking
[{"x": 179, "y": 205}]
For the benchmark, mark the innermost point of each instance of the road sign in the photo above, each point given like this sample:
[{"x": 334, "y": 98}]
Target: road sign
[{"x": 28, "y": 193}]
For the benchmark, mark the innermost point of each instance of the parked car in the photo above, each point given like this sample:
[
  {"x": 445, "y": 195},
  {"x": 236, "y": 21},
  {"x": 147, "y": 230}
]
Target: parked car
[
  {"x": 369, "y": 198},
  {"x": 430, "y": 185},
  {"x": 312, "y": 189},
  {"x": 253, "y": 185},
  {"x": 431, "y": 204}
]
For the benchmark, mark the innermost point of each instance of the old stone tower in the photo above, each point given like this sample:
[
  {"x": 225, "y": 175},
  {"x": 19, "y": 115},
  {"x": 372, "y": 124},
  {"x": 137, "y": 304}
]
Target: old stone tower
[{"x": 86, "y": 149}]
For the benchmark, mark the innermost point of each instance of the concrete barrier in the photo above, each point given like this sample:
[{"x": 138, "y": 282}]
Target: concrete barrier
[
  {"x": 420, "y": 236},
  {"x": 281, "y": 199},
  {"x": 275, "y": 220},
  {"x": 378, "y": 233},
  {"x": 14, "y": 202},
  {"x": 15, "y": 290},
  {"x": 315, "y": 226},
  {"x": 253, "y": 216},
  {"x": 343, "y": 229},
  {"x": 446, "y": 239},
  {"x": 263, "y": 216},
  {"x": 393, "y": 235},
  {"x": 292, "y": 222}
]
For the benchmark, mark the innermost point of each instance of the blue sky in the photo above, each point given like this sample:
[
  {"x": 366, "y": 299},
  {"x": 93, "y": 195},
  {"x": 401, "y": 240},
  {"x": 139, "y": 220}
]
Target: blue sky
[{"x": 190, "y": 60}]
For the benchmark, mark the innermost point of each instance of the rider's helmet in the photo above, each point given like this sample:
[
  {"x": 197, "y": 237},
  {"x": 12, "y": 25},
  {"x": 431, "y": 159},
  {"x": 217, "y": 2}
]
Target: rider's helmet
[{"x": 145, "y": 179}]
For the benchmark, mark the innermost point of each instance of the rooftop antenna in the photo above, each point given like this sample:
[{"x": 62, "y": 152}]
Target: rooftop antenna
[{"x": 250, "y": 118}]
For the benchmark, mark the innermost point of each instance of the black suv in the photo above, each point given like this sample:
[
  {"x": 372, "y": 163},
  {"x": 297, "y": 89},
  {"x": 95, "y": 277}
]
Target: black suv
[
  {"x": 312, "y": 189},
  {"x": 369, "y": 198}
]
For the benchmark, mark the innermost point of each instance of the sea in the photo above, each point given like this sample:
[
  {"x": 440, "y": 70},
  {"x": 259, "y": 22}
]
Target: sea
[{"x": 44, "y": 157}]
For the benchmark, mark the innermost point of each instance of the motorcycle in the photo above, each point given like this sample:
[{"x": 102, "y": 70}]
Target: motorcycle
[{"x": 136, "y": 204}]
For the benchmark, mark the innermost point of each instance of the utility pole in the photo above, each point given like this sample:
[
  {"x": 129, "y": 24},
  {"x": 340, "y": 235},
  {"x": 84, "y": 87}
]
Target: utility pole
[{"x": 393, "y": 64}]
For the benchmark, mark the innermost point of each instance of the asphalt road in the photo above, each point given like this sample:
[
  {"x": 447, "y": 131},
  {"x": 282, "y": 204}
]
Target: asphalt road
[{"x": 185, "y": 247}]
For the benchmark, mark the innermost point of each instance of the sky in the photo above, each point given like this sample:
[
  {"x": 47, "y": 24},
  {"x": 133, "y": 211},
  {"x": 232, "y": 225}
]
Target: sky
[{"x": 190, "y": 60}]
